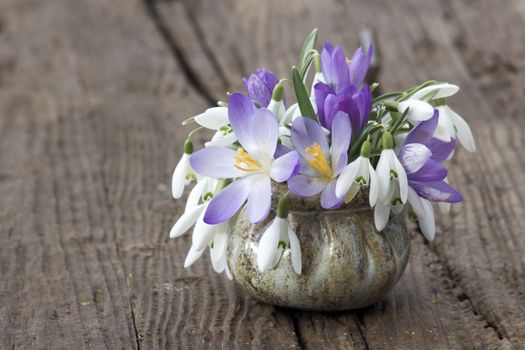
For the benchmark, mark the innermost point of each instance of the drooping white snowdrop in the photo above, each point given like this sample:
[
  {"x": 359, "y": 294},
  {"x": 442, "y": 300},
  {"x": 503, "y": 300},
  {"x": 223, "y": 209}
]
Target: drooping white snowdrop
[
  {"x": 277, "y": 237},
  {"x": 216, "y": 118},
  {"x": 357, "y": 174},
  {"x": 183, "y": 173}
]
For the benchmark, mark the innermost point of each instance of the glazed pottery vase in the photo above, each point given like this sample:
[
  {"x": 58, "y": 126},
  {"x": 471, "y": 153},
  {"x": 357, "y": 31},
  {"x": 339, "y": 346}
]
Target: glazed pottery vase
[{"x": 346, "y": 263}]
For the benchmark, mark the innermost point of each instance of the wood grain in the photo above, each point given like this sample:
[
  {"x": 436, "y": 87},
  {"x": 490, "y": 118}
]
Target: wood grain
[{"x": 91, "y": 97}]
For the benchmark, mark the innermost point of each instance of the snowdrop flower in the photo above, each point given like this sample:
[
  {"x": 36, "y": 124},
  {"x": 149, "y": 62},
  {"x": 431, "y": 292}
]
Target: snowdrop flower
[
  {"x": 421, "y": 155},
  {"x": 321, "y": 164},
  {"x": 260, "y": 86},
  {"x": 253, "y": 164},
  {"x": 357, "y": 174},
  {"x": 392, "y": 180},
  {"x": 216, "y": 118},
  {"x": 276, "y": 239},
  {"x": 183, "y": 173},
  {"x": 452, "y": 125}
]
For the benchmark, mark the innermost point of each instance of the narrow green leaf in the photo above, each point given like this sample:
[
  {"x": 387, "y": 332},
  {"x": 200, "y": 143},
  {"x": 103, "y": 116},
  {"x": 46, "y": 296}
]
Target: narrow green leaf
[
  {"x": 306, "y": 67},
  {"x": 309, "y": 44},
  {"x": 303, "y": 100}
]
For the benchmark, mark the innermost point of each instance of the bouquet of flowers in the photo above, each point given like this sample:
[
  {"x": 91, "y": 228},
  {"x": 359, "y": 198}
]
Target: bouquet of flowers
[{"x": 334, "y": 141}]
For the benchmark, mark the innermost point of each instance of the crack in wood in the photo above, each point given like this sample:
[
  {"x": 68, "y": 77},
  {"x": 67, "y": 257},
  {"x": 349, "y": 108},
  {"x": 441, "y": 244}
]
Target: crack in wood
[{"x": 192, "y": 77}]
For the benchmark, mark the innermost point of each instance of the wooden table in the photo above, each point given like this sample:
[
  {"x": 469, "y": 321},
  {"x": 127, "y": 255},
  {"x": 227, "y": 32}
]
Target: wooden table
[{"x": 92, "y": 94}]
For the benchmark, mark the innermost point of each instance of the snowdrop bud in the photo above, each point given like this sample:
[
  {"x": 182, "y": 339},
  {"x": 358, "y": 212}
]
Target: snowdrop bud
[
  {"x": 417, "y": 110},
  {"x": 183, "y": 173},
  {"x": 282, "y": 207},
  {"x": 278, "y": 92},
  {"x": 388, "y": 142},
  {"x": 366, "y": 148},
  {"x": 188, "y": 147}
]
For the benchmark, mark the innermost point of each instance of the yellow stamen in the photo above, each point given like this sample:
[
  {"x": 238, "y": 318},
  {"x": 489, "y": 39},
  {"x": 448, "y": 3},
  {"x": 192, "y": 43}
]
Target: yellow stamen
[
  {"x": 348, "y": 60},
  {"x": 320, "y": 163},
  {"x": 244, "y": 162}
]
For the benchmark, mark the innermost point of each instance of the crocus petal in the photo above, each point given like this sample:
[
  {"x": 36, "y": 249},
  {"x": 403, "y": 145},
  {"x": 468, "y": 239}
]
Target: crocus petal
[
  {"x": 218, "y": 162},
  {"x": 192, "y": 256},
  {"x": 333, "y": 66},
  {"x": 178, "y": 180},
  {"x": 240, "y": 110},
  {"x": 358, "y": 66},
  {"x": 306, "y": 132},
  {"x": 295, "y": 248},
  {"x": 268, "y": 245},
  {"x": 441, "y": 150},
  {"x": 464, "y": 134},
  {"x": 431, "y": 171},
  {"x": 260, "y": 86},
  {"x": 264, "y": 132},
  {"x": 441, "y": 90},
  {"x": 423, "y": 131},
  {"x": 438, "y": 191},
  {"x": 374, "y": 186},
  {"x": 347, "y": 177},
  {"x": 381, "y": 214},
  {"x": 283, "y": 167},
  {"x": 341, "y": 134},
  {"x": 419, "y": 110},
  {"x": 427, "y": 224},
  {"x": 328, "y": 198},
  {"x": 259, "y": 200},
  {"x": 305, "y": 185},
  {"x": 213, "y": 118},
  {"x": 413, "y": 156},
  {"x": 321, "y": 92},
  {"x": 228, "y": 201}
]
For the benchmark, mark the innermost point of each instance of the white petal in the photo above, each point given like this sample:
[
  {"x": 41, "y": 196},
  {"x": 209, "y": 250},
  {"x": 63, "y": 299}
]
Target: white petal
[
  {"x": 347, "y": 177},
  {"x": 186, "y": 221},
  {"x": 463, "y": 131},
  {"x": 383, "y": 176},
  {"x": 352, "y": 192},
  {"x": 402, "y": 179},
  {"x": 428, "y": 223},
  {"x": 221, "y": 140},
  {"x": 444, "y": 207},
  {"x": 192, "y": 256},
  {"x": 278, "y": 109},
  {"x": 213, "y": 118},
  {"x": 292, "y": 111},
  {"x": 203, "y": 233},
  {"x": 381, "y": 214},
  {"x": 268, "y": 245},
  {"x": 196, "y": 194},
  {"x": 443, "y": 90},
  {"x": 415, "y": 203},
  {"x": 218, "y": 250},
  {"x": 295, "y": 248},
  {"x": 178, "y": 180},
  {"x": 419, "y": 110},
  {"x": 374, "y": 186},
  {"x": 228, "y": 273}
]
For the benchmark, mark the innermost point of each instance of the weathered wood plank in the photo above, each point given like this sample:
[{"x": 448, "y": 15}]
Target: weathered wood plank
[
  {"x": 90, "y": 105},
  {"x": 475, "y": 265}
]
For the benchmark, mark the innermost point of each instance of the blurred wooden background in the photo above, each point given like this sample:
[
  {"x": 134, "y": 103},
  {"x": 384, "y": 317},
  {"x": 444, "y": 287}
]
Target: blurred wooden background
[{"x": 92, "y": 94}]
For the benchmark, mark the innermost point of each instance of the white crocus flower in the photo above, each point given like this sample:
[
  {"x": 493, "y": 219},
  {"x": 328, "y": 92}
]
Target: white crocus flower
[
  {"x": 273, "y": 242},
  {"x": 216, "y": 118},
  {"x": 183, "y": 173},
  {"x": 357, "y": 174}
]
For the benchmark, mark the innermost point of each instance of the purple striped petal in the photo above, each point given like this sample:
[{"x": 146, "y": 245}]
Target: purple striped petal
[
  {"x": 305, "y": 186},
  {"x": 423, "y": 131},
  {"x": 413, "y": 156},
  {"x": 240, "y": 111},
  {"x": 259, "y": 199},
  {"x": 228, "y": 201},
  {"x": 328, "y": 198},
  {"x": 341, "y": 135},
  {"x": 321, "y": 93},
  {"x": 438, "y": 191},
  {"x": 260, "y": 86},
  {"x": 431, "y": 171},
  {"x": 334, "y": 67},
  {"x": 217, "y": 162},
  {"x": 441, "y": 150},
  {"x": 261, "y": 135}
]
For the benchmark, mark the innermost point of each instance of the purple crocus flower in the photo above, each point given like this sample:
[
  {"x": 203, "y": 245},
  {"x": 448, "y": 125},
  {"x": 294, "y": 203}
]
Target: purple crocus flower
[
  {"x": 353, "y": 101},
  {"x": 260, "y": 86},
  {"x": 421, "y": 155},
  {"x": 253, "y": 165},
  {"x": 340, "y": 73},
  {"x": 321, "y": 164}
]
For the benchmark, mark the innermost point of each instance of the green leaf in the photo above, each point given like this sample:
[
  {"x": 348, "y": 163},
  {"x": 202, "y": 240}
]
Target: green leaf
[
  {"x": 303, "y": 100},
  {"x": 309, "y": 44},
  {"x": 304, "y": 69}
]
